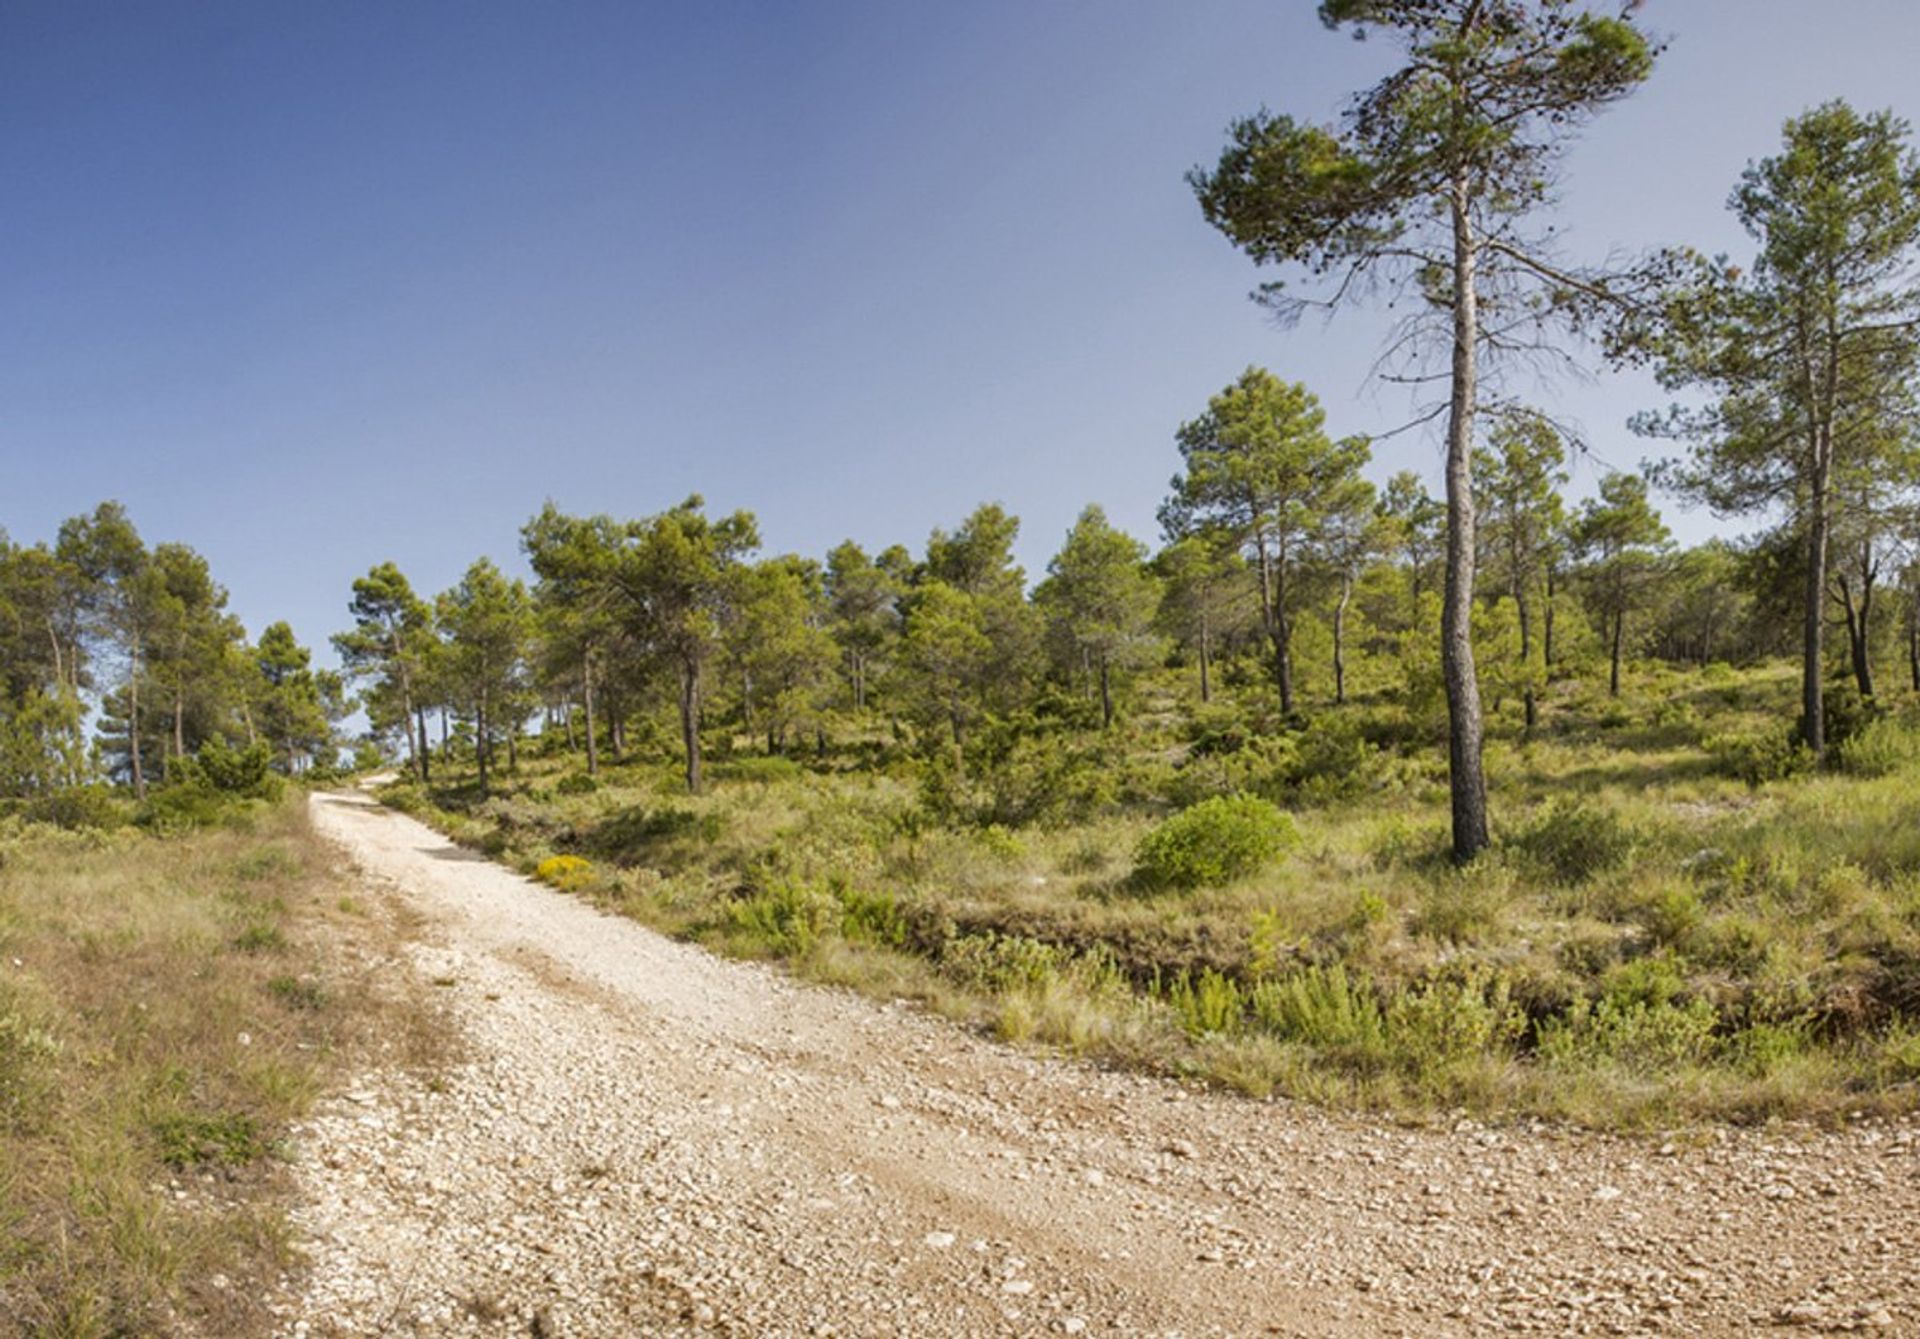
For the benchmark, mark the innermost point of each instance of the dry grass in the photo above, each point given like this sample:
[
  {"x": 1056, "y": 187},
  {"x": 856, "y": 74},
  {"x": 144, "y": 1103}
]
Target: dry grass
[
  {"x": 167, "y": 1008},
  {"x": 1655, "y": 938}
]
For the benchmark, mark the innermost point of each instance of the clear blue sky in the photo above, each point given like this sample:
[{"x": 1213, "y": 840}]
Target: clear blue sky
[{"x": 312, "y": 286}]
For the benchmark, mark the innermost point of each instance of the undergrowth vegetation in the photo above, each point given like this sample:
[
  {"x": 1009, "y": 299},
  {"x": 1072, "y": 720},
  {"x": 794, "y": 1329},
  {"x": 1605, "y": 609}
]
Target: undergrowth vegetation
[
  {"x": 164, "y": 1015},
  {"x": 1679, "y": 918}
]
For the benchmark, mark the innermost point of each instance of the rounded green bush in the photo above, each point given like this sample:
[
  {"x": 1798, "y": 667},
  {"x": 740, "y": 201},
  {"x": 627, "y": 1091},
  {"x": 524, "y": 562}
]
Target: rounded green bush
[{"x": 1215, "y": 842}]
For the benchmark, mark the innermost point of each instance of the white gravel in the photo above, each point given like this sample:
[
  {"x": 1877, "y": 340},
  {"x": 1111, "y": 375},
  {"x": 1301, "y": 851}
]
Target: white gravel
[{"x": 644, "y": 1139}]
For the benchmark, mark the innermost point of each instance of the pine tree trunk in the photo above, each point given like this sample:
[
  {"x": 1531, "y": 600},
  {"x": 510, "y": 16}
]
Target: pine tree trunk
[
  {"x": 1340, "y": 640},
  {"x": 1528, "y": 697},
  {"x": 1206, "y": 660},
  {"x": 1913, "y": 650},
  {"x": 480, "y": 749},
  {"x": 424, "y": 754},
  {"x": 593, "y": 745},
  {"x": 1813, "y": 726},
  {"x": 1546, "y": 621},
  {"x": 133, "y": 728},
  {"x": 690, "y": 722},
  {"x": 1106, "y": 694},
  {"x": 1273, "y": 617},
  {"x": 1466, "y": 779}
]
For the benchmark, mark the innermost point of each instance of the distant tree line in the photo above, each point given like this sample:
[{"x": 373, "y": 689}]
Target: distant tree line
[{"x": 99, "y": 628}]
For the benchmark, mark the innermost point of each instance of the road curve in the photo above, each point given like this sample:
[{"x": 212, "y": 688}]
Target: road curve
[{"x": 641, "y": 1138}]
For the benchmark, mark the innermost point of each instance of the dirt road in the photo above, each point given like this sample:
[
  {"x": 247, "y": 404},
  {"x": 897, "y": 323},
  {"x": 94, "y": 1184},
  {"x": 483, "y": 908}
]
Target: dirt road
[{"x": 644, "y": 1139}]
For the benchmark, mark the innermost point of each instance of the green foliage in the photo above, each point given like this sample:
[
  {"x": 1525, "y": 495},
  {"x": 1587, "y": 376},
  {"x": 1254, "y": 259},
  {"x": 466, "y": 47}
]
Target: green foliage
[
  {"x": 1572, "y": 842},
  {"x": 80, "y": 808},
  {"x": 1215, "y": 842},
  {"x": 1881, "y": 747},
  {"x": 1210, "y": 1004},
  {"x": 1447, "y": 1021},
  {"x": 1643, "y": 1036},
  {"x": 788, "y": 918},
  {"x": 1325, "y": 1008},
  {"x": 1759, "y": 758},
  {"x": 189, "y": 1141},
  {"x": 238, "y": 771},
  {"x": 1002, "y": 962}
]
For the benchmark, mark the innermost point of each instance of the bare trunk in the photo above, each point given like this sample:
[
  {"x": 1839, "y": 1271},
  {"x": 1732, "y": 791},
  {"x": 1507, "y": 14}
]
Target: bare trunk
[
  {"x": 690, "y": 722},
  {"x": 1528, "y": 696},
  {"x": 179, "y": 721},
  {"x": 1862, "y": 635},
  {"x": 480, "y": 749},
  {"x": 1546, "y": 629},
  {"x": 593, "y": 744},
  {"x": 425, "y": 751},
  {"x": 1913, "y": 650},
  {"x": 1273, "y": 616},
  {"x": 1813, "y": 727},
  {"x": 1206, "y": 659},
  {"x": 1467, "y": 781},
  {"x": 133, "y": 728},
  {"x": 1106, "y": 694}
]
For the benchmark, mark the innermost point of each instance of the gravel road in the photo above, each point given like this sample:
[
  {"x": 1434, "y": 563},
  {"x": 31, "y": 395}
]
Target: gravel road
[{"x": 643, "y": 1139}]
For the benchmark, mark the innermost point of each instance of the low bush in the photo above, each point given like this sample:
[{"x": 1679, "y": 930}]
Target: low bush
[
  {"x": 1879, "y": 748},
  {"x": 1571, "y": 842},
  {"x": 1323, "y": 1007},
  {"x": 78, "y": 808},
  {"x": 568, "y": 873},
  {"x": 1214, "y": 843},
  {"x": 1759, "y": 759}
]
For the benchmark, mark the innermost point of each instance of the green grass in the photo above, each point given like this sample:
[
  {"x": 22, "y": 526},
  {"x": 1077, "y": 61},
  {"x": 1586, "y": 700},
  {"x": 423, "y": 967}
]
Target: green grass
[{"x": 1674, "y": 924}]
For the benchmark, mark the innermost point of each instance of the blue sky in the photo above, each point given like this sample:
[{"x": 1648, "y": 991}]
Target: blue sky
[{"x": 315, "y": 286}]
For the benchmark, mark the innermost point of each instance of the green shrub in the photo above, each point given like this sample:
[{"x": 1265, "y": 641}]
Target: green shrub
[
  {"x": 1639, "y": 1036},
  {"x": 1758, "y": 759},
  {"x": 788, "y": 918},
  {"x": 870, "y": 917},
  {"x": 1323, "y": 1007},
  {"x": 1335, "y": 761},
  {"x": 762, "y": 769},
  {"x": 232, "y": 771},
  {"x": 999, "y": 962},
  {"x": 1450, "y": 1020},
  {"x": 1846, "y": 711},
  {"x": 1207, "y": 1005},
  {"x": 78, "y": 808},
  {"x": 407, "y": 797},
  {"x": 1215, "y": 842},
  {"x": 190, "y": 805},
  {"x": 1879, "y": 748},
  {"x": 576, "y": 783},
  {"x": 1571, "y": 841}
]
